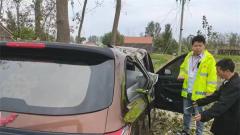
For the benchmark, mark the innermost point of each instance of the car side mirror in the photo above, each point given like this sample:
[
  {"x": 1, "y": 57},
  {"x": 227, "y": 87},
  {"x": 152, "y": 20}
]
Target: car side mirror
[{"x": 167, "y": 72}]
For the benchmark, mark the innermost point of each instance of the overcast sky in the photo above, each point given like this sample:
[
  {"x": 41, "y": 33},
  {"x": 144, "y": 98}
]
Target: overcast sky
[{"x": 223, "y": 15}]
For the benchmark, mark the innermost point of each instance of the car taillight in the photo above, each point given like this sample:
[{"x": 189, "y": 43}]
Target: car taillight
[
  {"x": 8, "y": 119},
  {"x": 25, "y": 45},
  {"x": 123, "y": 131}
]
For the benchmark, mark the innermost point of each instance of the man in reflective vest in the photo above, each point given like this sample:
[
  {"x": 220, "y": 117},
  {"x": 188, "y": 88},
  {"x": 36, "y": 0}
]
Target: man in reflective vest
[{"x": 200, "y": 79}]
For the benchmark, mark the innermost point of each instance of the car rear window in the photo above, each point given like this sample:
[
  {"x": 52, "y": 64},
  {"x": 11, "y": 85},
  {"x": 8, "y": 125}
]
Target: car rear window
[{"x": 55, "y": 86}]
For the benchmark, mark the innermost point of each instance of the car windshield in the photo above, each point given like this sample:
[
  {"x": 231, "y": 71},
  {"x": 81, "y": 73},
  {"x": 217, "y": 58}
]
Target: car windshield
[{"x": 55, "y": 88}]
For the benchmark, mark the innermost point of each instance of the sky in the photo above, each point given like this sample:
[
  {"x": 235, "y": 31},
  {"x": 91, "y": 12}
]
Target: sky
[{"x": 223, "y": 15}]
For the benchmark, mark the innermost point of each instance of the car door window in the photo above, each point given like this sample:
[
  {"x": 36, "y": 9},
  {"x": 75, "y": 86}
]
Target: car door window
[
  {"x": 135, "y": 79},
  {"x": 172, "y": 69}
]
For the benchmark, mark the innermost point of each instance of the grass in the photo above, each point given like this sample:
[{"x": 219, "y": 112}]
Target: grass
[{"x": 160, "y": 59}]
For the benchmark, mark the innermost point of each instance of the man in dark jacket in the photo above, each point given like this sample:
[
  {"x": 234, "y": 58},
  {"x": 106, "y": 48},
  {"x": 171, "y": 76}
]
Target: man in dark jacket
[{"x": 226, "y": 110}]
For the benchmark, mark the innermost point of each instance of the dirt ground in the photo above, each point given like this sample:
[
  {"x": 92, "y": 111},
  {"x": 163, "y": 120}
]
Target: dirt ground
[{"x": 169, "y": 123}]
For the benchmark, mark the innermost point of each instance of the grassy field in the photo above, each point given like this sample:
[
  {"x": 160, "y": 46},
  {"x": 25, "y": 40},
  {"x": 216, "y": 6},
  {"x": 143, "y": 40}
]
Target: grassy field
[{"x": 161, "y": 59}]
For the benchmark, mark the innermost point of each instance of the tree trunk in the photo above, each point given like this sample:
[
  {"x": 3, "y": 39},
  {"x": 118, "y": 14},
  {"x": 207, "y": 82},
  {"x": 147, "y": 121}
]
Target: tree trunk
[
  {"x": 18, "y": 16},
  {"x": 1, "y": 3},
  {"x": 81, "y": 22},
  {"x": 63, "y": 32},
  {"x": 38, "y": 18},
  {"x": 115, "y": 23}
]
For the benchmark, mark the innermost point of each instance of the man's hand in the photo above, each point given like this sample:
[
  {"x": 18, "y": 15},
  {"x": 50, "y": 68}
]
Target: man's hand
[
  {"x": 180, "y": 78},
  {"x": 198, "y": 117},
  {"x": 208, "y": 94},
  {"x": 194, "y": 104}
]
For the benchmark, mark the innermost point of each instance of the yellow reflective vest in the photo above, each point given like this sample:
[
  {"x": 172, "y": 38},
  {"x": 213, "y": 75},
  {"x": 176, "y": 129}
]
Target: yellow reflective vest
[{"x": 206, "y": 76}]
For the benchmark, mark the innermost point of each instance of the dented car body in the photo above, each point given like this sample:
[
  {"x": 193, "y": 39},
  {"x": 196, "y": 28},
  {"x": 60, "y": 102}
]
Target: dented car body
[{"x": 56, "y": 88}]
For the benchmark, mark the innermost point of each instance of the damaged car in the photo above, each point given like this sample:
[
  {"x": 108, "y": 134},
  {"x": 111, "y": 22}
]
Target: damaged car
[{"x": 59, "y": 89}]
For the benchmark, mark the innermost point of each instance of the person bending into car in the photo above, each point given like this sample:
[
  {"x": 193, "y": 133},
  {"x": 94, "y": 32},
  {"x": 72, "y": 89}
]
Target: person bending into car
[
  {"x": 200, "y": 79},
  {"x": 226, "y": 110}
]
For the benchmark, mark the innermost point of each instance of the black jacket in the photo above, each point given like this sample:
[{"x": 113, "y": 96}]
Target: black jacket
[{"x": 226, "y": 110}]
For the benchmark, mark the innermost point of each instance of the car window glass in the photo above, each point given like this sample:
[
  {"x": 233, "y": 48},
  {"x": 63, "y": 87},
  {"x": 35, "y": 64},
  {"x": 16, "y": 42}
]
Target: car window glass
[
  {"x": 55, "y": 85},
  {"x": 135, "y": 79},
  {"x": 173, "y": 68}
]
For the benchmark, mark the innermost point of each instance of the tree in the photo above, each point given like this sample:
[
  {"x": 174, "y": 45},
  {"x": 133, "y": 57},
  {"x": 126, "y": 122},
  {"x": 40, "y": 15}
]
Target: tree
[
  {"x": 63, "y": 31},
  {"x": 93, "y": 38},
  {"x": 187, "y": 44},
  {"x": 164, "y": 41},
  {"x": 115, "y": 23},
  {"x": 81, "y": 39},
  {"x": 106, "y": 39},
  {"x": 49, "y": 18},
  {"x": 17, "y": 4},
  {"x": 1, "y": 9},
  {"x": 167, "y": 35},
  {"x": 153, "y": 29},
  {"x": 233, "y": 39},
  {"x": 206, "y": 27},
  {"x": 38, "y": 18},
  {"x": 168, "y": 42},
  {"x": 81, "y": 21},
  {"x": 10, "y": 21}
]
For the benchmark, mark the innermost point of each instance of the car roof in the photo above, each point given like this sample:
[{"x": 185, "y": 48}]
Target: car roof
[{"x": 107, "y": 51}]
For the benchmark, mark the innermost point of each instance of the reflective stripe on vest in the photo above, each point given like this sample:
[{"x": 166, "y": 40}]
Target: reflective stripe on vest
[
  {"x": 200, "y": 93},
  {"x": 203, "y": 74},
  {"x": 211, "y": 82}
]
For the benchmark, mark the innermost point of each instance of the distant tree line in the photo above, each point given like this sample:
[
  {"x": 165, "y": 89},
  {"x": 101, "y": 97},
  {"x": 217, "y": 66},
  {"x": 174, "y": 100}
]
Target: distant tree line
[{"x": 48, "y": 20}]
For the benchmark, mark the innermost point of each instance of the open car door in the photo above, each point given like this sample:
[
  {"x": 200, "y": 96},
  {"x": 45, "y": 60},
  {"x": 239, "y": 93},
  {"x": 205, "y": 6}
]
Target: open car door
[{"x": 168, "y": 88}]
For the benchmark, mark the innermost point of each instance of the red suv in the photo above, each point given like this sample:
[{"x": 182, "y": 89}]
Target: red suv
[{"x": 56, "y": 89}]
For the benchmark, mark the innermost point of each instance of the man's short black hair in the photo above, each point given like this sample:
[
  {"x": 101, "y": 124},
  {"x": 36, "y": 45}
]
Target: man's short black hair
[
  {"x": 199, "y": 38},
  {"x": 226, "y": 64}
]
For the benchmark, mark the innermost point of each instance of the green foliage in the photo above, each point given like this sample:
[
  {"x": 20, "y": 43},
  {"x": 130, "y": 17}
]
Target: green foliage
[
  {"x": 167, "y": 35},
  {"x": 153, "y": 29},
  {"x": 187, "y": 44},
  {"x": 158, "y": 44},
  {"x": 26, "y": 29},
  {"x": 93, "y": 38},
  {"x": 80, "y": 40},
  {"x": 172, "y": 47},
  {"x": 25, "y": 33},
  {"x": 165, "y": 42},
  {"x": 11, "y": 24},
  {"x": 106, "y": 39},
  {"x": 233, "y": 39},
  {"x": 206, "y": 27}
]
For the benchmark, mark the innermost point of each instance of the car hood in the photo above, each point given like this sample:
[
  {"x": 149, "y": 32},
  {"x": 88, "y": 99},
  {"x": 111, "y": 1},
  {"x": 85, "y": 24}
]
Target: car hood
[{"x": 85, "y": 123}]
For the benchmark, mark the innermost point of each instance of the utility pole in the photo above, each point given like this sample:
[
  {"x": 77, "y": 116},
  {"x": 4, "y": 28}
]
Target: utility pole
[{"x": 181, "y": 28}]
